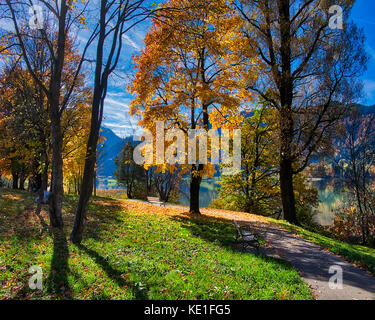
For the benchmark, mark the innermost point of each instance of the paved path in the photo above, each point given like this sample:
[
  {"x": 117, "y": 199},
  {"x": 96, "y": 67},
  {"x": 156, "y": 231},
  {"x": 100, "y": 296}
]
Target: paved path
[{"x": 313, "y": 263}]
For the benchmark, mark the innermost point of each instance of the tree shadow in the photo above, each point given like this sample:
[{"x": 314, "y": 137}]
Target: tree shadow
[
  {"x": 222, "y": 232},
  {"x": 114, "y": 274},
  {"x": 100, "y": 216},
  {"x": 58, "y": 276},
  {"x": 212, "y": 229}
]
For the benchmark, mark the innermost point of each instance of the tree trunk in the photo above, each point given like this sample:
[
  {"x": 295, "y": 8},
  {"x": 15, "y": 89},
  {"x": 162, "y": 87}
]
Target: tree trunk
[
  {"x": 287, "y": 191},
  {"x": 57, "y": 188},
  {"x": 86, "y": 187},
  {"x": 195, "y": 184},
  {"x": 57, "y": 180},
  {"x": 15, "y": 179},
  {"x": 285, "y": 87}
]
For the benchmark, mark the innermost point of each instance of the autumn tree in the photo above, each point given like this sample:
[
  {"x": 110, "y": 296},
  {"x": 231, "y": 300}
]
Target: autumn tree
[
  {"x": 76, "y": 126},
  {"x": 192, "y": 75},
  {"x": 53, "y": 32},
  {"x": 24, "y": 130},
  {"x": 311, "y": 58},
  {"x": 255, "y": 189}
]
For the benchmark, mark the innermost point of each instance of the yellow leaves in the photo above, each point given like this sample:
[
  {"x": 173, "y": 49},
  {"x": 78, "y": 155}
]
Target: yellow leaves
[{"x": 194, "y": 60}]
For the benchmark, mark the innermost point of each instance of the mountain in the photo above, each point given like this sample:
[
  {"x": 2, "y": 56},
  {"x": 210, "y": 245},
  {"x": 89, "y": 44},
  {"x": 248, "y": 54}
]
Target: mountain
[
  {"x": 108, "y": 151},
  {"x": 366, "y": 109}
]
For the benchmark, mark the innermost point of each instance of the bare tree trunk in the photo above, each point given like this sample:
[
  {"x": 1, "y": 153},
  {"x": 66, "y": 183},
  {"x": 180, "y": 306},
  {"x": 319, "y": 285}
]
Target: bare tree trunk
[
  {"x": 86, "y": 188},
  {"x": 96, "y": 117},
  {"x": 57, "y": 189},
  {"x": 195, "y": 184},
  {"x": 126, "y": 11}
]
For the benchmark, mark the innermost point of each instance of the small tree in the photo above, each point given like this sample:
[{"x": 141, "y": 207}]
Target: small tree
[
  {"x": 128, "y": 173},
  {"x": 166, "y": 182},
  {"x": 255, "y": 189},
  {"x": 356, "y": 151}
]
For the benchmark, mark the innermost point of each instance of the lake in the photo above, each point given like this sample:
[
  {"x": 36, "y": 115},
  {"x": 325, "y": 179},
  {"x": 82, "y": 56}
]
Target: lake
[{"x": 331, "y": 196}]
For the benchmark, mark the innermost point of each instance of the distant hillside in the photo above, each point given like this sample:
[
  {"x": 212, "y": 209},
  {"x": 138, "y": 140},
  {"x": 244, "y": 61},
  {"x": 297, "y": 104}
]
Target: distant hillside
[
  {"x": 109, "y": 150},
  {"x": 366, "y": 109}
]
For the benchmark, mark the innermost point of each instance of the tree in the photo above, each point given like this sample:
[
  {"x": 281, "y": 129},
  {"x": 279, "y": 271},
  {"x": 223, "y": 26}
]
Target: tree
[
  {"x": 255, "y": 189},
  {"x": 356, "y": 152},
  {"x": 312, "y": 68},
  {"x": 166, "y": 182},
  {"x": 76, "y": 126},
  {"x": 128, "y": 173},
  {"x": 24, "y": 132},
  {"x": 53, "y": 34},
  {"x": 192, "y": 76},
  {"x": 116, "y": 18}
]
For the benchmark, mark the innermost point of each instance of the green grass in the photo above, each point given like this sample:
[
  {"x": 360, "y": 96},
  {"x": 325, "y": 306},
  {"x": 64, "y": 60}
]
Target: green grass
[
  {"x": 128, "y": 254},
  {"x": 357, "y": 254}
]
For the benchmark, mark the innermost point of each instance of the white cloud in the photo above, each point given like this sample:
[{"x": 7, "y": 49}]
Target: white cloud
[
  {"x": 369, "y": 89},
  {"x": 117, "y": 117},
  {"x": 371, "y": 52},
  {"x": 131, "y": 42}
]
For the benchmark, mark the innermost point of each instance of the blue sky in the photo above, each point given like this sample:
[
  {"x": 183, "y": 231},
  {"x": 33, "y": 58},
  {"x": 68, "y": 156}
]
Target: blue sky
[
  {"x": 363, "y": 14},
  {"x": 117, "y": 102}
]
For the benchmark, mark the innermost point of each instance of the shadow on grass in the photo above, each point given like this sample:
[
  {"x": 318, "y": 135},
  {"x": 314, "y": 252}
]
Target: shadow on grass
[
  {"x": 217, "y": 230},
  {"x": 114, "y": 274},
  {"x": 222, "y": 233},
  {"x": 102, "y": 214},
  {"x": 58, "y": 277}
]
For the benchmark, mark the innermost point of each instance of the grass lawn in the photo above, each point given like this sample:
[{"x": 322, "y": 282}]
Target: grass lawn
[
  {"x": 134, "y": 251},
  {"x": 357, "y": 254}
]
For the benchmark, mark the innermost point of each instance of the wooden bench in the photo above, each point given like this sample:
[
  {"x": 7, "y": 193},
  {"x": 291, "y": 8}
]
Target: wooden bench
[
  {"x": 155, "y": 200},
  {"x": 247, "y": 237}
]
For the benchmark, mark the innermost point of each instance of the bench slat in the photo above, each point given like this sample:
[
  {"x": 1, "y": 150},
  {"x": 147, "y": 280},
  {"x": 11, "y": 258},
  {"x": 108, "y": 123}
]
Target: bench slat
[
  {"x": 246, "y": 236},
  {"x": 155, "y": 200}
]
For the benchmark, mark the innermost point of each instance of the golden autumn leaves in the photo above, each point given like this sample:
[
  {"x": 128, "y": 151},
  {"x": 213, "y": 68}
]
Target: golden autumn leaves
[{"x": 195, "y": 69}]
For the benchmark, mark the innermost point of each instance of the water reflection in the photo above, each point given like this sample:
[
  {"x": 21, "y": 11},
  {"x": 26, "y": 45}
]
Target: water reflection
[{"x": 332, "y": 196}]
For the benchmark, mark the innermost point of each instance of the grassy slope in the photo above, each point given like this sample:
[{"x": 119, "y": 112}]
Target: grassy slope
[
  {"x": 134, "y": 251},
  {"x": 357, "y": 254}
]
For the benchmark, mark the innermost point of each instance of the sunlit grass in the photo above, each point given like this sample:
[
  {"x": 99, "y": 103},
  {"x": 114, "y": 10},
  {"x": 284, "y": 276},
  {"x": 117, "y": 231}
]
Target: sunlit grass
[{"x": 129, "y": 252}]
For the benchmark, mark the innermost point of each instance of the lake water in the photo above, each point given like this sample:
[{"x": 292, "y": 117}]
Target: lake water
[{"x": 331, "y": 196}]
